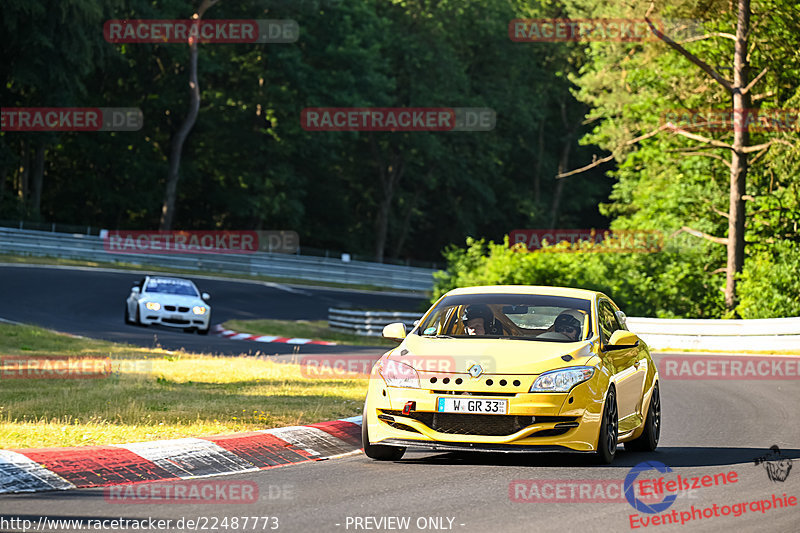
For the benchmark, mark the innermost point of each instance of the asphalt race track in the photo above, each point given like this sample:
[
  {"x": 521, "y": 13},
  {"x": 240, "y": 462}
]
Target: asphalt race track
[
  {"x": 708, "y": 428},
  {"x": 90, "y": 302}
]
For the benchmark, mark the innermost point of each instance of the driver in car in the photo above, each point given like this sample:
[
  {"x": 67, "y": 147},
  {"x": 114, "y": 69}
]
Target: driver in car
[{"x": 477, "y": 319}]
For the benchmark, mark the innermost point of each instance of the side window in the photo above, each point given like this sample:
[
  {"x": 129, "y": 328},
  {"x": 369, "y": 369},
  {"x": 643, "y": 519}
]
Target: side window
[
  {"x": 608, "y": 320},
  {"x": 440, "y": 321}
]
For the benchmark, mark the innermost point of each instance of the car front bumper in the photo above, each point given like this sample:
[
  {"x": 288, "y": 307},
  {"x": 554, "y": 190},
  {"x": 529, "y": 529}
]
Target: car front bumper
[
  {"x": 174, "y": 319},
  {"x": 533, "y": 421}
]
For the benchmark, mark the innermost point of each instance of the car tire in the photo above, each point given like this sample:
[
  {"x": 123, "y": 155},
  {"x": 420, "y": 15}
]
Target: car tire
[
  {"x": 608, "y": 435},
  {"x": 139, "y": 317},
  {"x": 376, "y": 451},
  {"x": 128, "y": 314},
  {"x": 648, "y": 440}
]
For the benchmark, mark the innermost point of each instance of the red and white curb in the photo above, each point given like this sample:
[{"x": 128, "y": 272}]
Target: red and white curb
[
  {"x": 229, "y": 333},
  {"x": 44, "y": 469}
]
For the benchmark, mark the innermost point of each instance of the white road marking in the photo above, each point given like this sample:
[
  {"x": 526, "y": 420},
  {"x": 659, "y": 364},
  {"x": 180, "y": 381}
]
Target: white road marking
[{"x": 190, "y": 457}]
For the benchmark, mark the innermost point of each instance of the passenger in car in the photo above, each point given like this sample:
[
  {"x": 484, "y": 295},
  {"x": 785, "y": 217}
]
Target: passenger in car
[{"x": 568, "y": 323}]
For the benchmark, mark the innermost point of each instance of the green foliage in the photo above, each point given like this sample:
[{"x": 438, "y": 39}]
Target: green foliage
[
  {"x": 670, "y": 283},
  {"x": 667, "y": 182},
  {"x": 770, "y": 284},
  {"x": 249, "y": 164},
  {"x": 661, "y": 187}
]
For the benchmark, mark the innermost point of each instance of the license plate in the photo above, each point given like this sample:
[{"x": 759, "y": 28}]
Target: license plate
[{"x": 472, "y": 405}]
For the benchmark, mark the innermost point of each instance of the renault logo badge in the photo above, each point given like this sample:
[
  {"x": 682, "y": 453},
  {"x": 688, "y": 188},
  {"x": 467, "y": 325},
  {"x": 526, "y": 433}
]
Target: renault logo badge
[{"x": 475, "y": 370}]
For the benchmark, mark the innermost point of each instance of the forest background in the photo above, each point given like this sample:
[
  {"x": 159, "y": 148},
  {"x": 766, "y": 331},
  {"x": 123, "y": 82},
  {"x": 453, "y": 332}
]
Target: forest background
[{"x": 580, "y": 139}]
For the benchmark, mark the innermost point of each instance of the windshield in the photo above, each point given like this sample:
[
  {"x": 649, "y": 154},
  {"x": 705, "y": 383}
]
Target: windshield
[
  {"x": 171, "y": 286},
  {"x": 526, "y": 317}
]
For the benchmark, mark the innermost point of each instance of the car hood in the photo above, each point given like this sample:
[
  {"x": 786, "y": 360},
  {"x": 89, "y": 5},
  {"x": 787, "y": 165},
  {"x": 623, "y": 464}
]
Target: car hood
[
  {"x": 496, "y": 356},
  {"x": 176, "y": 299}
]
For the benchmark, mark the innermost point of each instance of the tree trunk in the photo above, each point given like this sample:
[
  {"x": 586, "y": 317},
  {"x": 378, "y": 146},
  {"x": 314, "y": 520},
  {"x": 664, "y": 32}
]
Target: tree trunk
[
  {"x": 739, "y": 159},
  {"x": 168, "y": 207},
  {"x": 388, "y": 176},
  {"x": 401, "y": 241},
  {"x": 381, "y": 228},
  {"x": 562, "y": 165},
  {"x": 38, "y": 181}
]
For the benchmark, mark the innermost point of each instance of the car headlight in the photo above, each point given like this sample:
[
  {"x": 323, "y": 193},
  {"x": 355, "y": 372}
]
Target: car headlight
[
  {"x": 562, "y": 380},
  {"x": 153, "y": 306},
  {"x": 398, "y": 374},
  {"x": 199, "y": 310}
]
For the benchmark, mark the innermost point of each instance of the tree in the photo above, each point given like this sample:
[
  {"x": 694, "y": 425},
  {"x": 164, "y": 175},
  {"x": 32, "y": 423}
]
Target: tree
[
  {"x": 168, "y": 208},
  {"x": 47, "y": 55},
  {"x": 247, "y": 163},
  {"x": 739, "y": 90},
  {"x": 632, "y": 109}
]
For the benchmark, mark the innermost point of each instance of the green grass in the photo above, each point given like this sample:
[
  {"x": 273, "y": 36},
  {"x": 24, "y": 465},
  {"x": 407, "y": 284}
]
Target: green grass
[
  {"x": 316, "y": 330},
  {"x": 42, "y": 260},
  {"x": 155, "y": 394}
]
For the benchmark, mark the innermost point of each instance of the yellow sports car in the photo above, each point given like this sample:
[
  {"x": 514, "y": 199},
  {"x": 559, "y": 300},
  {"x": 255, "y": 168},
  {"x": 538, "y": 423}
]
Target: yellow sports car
[{"x": 510, "y": 369}]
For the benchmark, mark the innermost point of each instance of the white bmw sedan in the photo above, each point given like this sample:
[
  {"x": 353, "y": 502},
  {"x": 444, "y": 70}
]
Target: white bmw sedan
[{"x": 173, "y": 302}]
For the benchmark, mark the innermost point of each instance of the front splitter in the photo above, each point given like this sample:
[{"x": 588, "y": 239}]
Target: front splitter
[{"x": 475, "y": 447}]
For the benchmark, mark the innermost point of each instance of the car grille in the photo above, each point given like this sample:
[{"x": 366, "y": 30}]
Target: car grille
[
  {"x": 172, "y": 308},
  {"x": 464, "y": 424},
  {"x": 175, "y": 321},
  {"x": 485, "y": 425}
]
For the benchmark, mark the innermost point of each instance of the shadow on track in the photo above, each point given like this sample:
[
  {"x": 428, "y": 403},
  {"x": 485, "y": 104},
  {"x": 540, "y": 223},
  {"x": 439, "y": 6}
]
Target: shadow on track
[{"x": 673, "y": 456}]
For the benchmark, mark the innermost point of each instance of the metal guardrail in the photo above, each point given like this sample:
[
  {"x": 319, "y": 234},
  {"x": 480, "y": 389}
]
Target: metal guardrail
[
  {"x": 90, "y": 248},
  {"x": 720, "y": 335},
  {"x": 659, "y": 334},
  {"x": 309, "y": 251},
  {"x": 368, "y": 323}
]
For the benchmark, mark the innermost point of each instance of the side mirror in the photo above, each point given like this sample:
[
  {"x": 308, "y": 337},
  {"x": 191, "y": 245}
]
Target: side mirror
[
  {"x": 135, "y": 290},
  {"x": 206, "y": 296},
  {"x": 622, "y": 339},
  {"x": 395, "y": 331}
]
